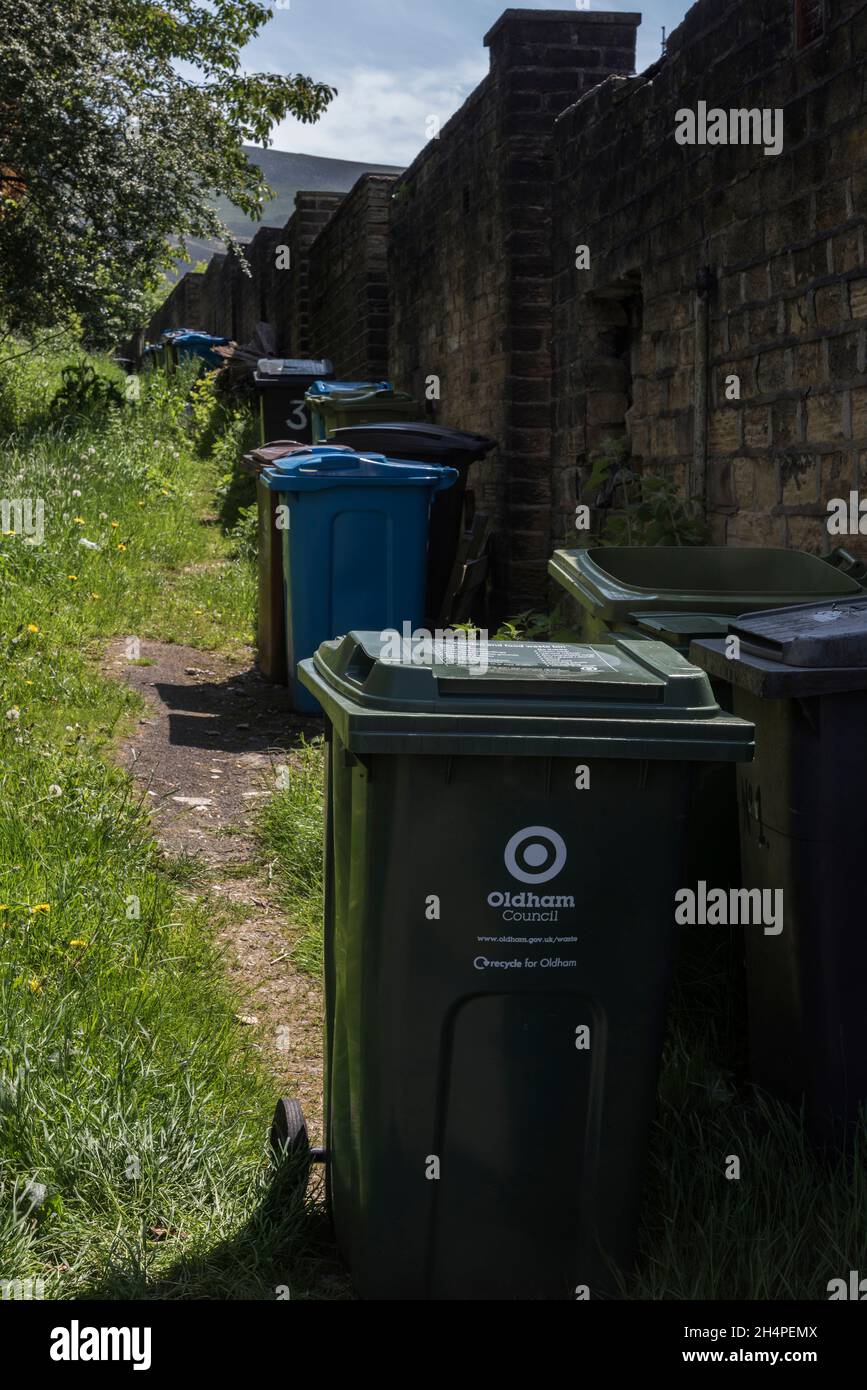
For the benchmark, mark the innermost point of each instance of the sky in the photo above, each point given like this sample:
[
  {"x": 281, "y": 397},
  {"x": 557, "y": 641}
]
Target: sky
[{"x": 395, "y": 63}]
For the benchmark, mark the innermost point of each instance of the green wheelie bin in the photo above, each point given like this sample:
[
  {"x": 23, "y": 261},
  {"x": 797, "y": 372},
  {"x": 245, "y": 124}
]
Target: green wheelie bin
[
  {"x": 800, "y": 675},
  {"x": 495, "y": 982},
  {"x": 335, "y": 405},
  {"x": 678, "y": 594}
]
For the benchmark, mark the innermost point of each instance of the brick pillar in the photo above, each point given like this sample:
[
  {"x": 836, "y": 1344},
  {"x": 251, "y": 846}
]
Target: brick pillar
[
  {"x": 541, "y": 62},
  {"x": 348, "y": 282},
  {"x": 192, "y": 283},
  {"x": 312, "y": 212},
  {"x": 208, "y": 294}
]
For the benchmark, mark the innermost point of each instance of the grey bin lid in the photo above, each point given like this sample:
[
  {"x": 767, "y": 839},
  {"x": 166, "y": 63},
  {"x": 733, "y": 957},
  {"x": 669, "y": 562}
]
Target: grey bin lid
[
  {"x": 793, "y": 653},
  {"x": 294, "y": 366},
  {"x": 391, "y": 436},
  {"x": 809, "y": 634},
  {"x": 610, "y": 700}
]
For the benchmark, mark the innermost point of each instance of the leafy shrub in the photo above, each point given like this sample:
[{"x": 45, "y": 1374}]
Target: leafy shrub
[
  {"x": 84, "y": 394},
  {"x": 638, "y": 508},
  {"x": 245, "y": 534}
]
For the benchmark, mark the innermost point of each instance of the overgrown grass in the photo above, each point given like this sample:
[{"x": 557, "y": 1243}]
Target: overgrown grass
[
  {"x": 133, "y": 1111},
  {"x": 290, "y": 829},
  {"x": 793, "y": 1219}
]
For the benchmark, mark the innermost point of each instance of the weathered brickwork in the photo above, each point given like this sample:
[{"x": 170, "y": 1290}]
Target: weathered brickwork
[
  {"x": 719, "y": 331},
  {"x": 470, "y": 266},
  {"x": 183, "y": 307},
  {"x": 348, "y": 282},
  {"x": 773, "y": 244},
  {"x": 312, "y": 213},
  {"x": 230, "y": 303}
]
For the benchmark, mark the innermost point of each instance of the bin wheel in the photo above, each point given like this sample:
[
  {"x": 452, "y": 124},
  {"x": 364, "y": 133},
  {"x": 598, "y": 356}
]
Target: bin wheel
[{"x": 289, "y": 1137}]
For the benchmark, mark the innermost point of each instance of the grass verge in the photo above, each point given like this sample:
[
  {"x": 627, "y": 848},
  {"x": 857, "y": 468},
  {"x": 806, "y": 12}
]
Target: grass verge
[
  {"x": 290, "y": 831},
  {"x": 133, "y": 1111}
]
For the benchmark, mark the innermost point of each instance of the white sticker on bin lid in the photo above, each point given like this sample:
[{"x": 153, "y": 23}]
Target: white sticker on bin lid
[
  {"x": 564, "y": 656},
  {"x": 555, "y": 656},
  {"x": 828, "y": 615}
]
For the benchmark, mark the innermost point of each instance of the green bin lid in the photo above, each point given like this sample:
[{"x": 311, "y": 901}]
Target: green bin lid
[
  {"x": 680, "y": 628},
  {"x": 615, "y": 582},
  {"x": 388, "y": 694}
]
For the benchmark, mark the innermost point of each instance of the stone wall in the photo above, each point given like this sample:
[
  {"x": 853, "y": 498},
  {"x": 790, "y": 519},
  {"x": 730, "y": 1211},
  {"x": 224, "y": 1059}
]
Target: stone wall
[
  {"x": 312, "y": 213},
  {"x": 757, "y": 261},
  {"x": 182, "y": 309},
  {"x": 210, "y": 294},
  {"x": 348, "y": 282},
  {"x": 470, "y": 267},
  {"x": 717, "y": 333},
  {"x": 230, "y": 303}
]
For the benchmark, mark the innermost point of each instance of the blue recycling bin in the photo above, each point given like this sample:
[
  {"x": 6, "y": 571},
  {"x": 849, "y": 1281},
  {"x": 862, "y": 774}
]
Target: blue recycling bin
[
  {"x": 186, "y": 343},
  {"x": 355, "y": 530}
]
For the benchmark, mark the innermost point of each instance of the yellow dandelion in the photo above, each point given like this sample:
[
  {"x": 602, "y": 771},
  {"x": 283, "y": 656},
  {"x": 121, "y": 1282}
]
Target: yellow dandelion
[
  {"x": 28, "y": 682},
  {"x": 79, "y": 520},
  {"x": 94, "y": 596},
  {"x": 78, "y": 941},
  {"x": 73, "y": 578},
  {"x": 34, "y": 985},
  {"x": 141, "y": 504},
  {"x": 32, "y": 627},
  {"x": 41, "y": 907},
  {"x": 121, "y": 546},
  {"x": 114, "y": 525}
]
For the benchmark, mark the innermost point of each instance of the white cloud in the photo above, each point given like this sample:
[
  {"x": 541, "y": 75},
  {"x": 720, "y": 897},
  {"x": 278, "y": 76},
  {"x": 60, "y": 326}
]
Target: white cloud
[{"x": 381, "y": 116}]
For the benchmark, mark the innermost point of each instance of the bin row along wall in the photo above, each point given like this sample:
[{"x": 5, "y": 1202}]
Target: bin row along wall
[
  {"x": 557, "y": 271},
  {"x": 225, "y": 300}
]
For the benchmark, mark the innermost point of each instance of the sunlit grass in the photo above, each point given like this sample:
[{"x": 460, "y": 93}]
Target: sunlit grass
[{"x": 133, "y": 1110}]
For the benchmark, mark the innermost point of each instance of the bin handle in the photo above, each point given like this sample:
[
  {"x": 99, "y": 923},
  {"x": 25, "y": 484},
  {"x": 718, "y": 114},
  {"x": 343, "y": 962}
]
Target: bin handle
[
  {"x": 447, "y": 478},
  {"x": 362, "y": 395},
  {"x": 359, "y": 666}
]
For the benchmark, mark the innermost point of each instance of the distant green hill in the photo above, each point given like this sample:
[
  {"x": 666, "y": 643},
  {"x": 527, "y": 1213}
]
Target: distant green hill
[{"x": 287, "y": 174}]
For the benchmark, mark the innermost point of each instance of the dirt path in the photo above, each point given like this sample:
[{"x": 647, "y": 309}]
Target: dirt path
[{"x": 205, "y": 755}]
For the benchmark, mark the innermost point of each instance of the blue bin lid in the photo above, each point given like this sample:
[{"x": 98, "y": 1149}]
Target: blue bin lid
[
  {"x": 190, "y": 337},
  {"x": 323, "y": 466},
  {"x": 346, "y": 388}
]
